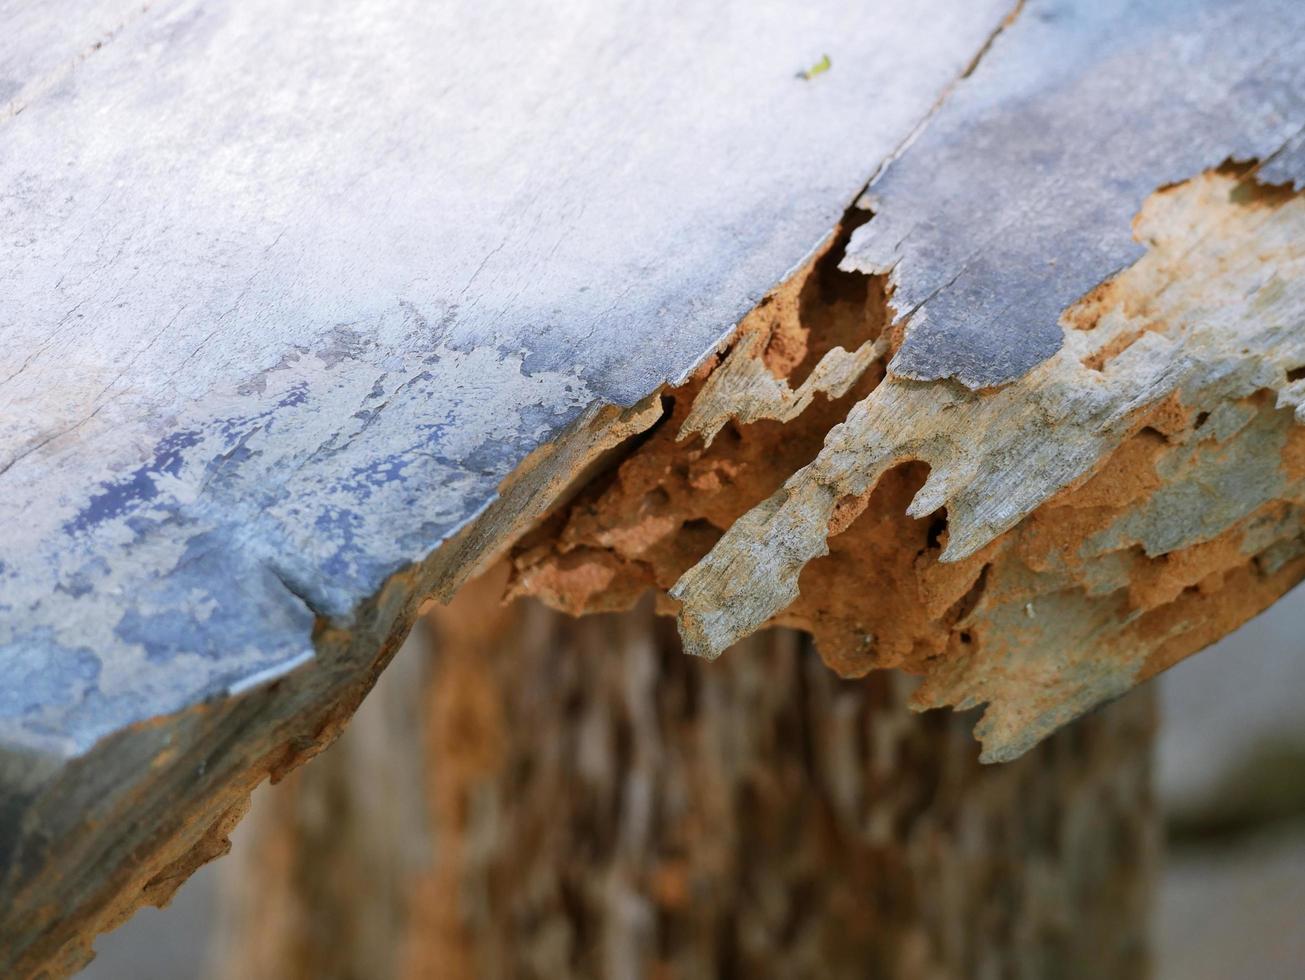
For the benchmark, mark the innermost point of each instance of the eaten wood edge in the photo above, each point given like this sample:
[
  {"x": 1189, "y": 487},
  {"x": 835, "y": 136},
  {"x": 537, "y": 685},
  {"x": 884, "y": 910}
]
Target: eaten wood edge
[
  {"x": 1038, "y": 548},
  {"x": 1123, "y": 505}
]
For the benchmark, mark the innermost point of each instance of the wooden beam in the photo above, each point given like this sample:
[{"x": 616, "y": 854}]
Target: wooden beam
[{"x": 311, "y": 309}]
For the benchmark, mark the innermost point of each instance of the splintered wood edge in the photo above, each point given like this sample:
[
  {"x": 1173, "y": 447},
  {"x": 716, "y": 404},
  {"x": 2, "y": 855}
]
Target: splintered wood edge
[
  {"x": 1125, "y": 504},
  {"x": 1203, "y": 344}
]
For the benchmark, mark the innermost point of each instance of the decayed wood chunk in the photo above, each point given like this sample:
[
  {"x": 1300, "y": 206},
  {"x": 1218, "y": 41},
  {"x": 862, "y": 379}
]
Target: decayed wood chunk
[{"x": 1040, "y": 547}]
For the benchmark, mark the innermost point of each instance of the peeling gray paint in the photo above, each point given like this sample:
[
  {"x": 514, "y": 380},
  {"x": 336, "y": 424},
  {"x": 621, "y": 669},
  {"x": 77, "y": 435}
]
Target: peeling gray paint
[
  {"x": 290, "y": 288},
  {"x": 1017, "y": 197}
]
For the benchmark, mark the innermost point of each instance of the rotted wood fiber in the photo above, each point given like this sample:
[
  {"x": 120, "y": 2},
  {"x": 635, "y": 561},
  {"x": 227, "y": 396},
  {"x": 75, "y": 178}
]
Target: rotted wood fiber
[
  {"x": 550, "y": 797},
  {"x": 1039, "y": 547}
]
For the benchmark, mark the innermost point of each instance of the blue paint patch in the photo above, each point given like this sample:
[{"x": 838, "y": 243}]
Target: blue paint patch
[
  {"x": 216, "y": 600},
  {"x": 338, "y": 526},
  {"x": 41, "y": 674},
  {"x": 127, "y": 494},
  {"x": 237, "y": 427},
  {"x": 164, "y": 635},
  {"x": 82, "y": 581},
  {"x": 378, "y": 473},
  {"x": 296, "y": 396}
]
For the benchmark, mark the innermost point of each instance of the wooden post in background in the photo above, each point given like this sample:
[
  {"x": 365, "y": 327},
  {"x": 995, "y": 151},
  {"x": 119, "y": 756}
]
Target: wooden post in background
[{"x": 548, "y": 797}]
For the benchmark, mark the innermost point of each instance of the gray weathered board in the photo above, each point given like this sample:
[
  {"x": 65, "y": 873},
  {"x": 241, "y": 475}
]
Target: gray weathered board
[{"x": 287, "y": 289}]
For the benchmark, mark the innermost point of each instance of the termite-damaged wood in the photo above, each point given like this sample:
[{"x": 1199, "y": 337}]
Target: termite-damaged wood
[
  {"x": 281, "y": 366},
  {"x": 1039, "y": 548}
]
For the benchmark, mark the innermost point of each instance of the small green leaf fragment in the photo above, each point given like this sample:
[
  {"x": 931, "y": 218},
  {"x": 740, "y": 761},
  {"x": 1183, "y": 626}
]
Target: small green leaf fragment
[{"x": 819, "y": 68}]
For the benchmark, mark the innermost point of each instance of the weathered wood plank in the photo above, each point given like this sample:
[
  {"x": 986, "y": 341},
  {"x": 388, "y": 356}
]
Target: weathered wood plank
[
  {"x": 292, "y": 287},
  {"x": 289, "y": 289},
  {"x": 1078, "y": 113},
  {"x": 310, "y": 307}
]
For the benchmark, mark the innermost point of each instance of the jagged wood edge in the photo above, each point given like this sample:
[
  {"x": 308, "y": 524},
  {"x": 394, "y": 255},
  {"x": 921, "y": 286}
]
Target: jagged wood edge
[{"x": 999, "y": 455}]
